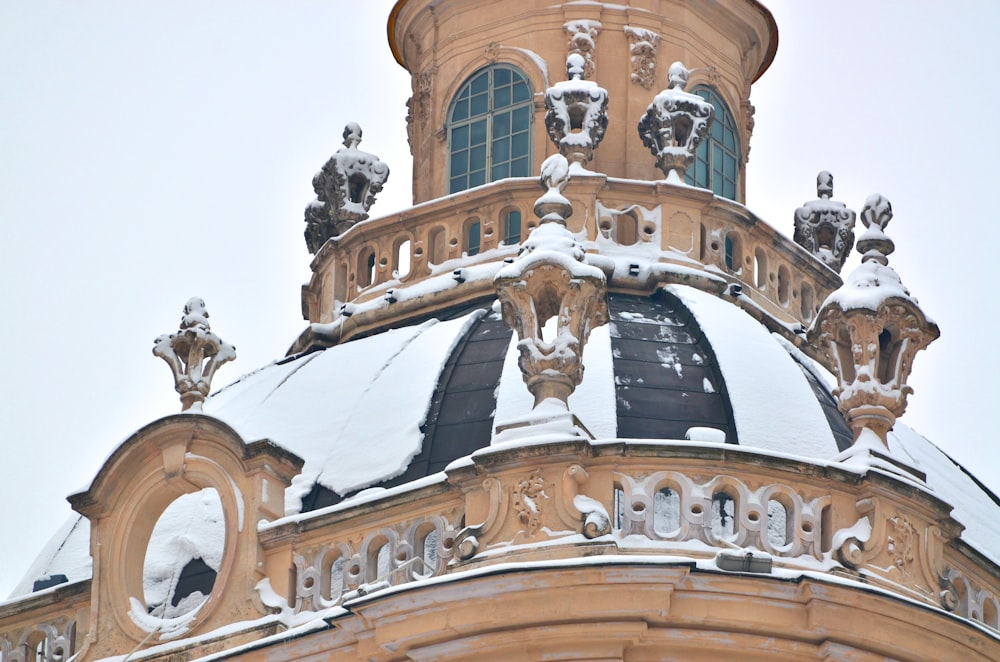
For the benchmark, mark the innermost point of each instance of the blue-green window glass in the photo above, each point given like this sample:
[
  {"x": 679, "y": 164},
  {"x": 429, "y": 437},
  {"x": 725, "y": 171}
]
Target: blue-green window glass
[
  {"x": 472, "y": 239},
  {"x": 512, "y": 228},
  {"x": 717, "y": 160},
  {"x": 489, "y": 128}
]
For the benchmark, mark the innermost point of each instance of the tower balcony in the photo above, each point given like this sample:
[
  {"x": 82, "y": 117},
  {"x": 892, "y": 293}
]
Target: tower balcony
[{"x": 643, "y": 234}]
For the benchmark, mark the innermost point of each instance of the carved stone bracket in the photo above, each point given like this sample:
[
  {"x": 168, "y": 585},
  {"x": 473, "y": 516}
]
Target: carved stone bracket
[
  {"x": 578, "y": 510},
  {"x": 582, "y": 41},
  {"x": 642, "y": 45},
  {"x": 870, "y": 329},
  {"x": 825, "y": 227},
  {"x": 576, "y": 113},
  {"x": 549, "y": 279},
  {"x": 675, "y": 124},
  {"x": 194, "y": 353},
  {"x": 346, "y": 187},
  {"x": 467, "y": 541}
]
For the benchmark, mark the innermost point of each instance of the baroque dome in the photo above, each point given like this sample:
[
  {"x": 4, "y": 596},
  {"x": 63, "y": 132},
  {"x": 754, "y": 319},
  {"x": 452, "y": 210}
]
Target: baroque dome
[{"x": 602, "y": 413}]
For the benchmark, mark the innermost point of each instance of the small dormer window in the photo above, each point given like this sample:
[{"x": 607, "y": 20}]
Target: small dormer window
[
  {"x": 716, "y": 164},
  {"x": 489, "y": 128}
]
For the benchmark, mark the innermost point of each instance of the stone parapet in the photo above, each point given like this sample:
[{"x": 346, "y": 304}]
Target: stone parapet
[{"x": 643, "y": 234}]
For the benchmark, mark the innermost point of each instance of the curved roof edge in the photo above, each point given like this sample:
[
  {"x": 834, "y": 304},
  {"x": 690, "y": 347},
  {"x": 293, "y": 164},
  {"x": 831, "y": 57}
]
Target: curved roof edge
[{"x": 765, "y": 12}]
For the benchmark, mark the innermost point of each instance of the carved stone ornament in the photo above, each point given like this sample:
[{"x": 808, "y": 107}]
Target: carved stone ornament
[
  {"x": 527, "y": 498},
  {"x": 675, "y": 124},
  {"x": 870, "y": 329},
  {"x": 576, "y": 113},
  {"x": 825, "y": 227},
  {"x": 550, "y": 279},
  {"x": 194, "y": 353},
  {"x": 345, "y": 190},
  {"x": 642, "y": 45},
  {"x": 582, "y": 41},
  {"x": 58, "y": 644}
]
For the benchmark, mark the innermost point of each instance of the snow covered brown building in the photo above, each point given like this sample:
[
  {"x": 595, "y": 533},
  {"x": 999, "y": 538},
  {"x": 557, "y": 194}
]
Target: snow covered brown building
[{"x": 587, "y": 420}]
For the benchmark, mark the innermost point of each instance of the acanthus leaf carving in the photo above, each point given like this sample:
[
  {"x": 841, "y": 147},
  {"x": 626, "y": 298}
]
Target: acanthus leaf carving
[
  {"x": 642, "y": 48},
  {"x": 527, "y": 498},
  {"x": 582, "y": 41}
]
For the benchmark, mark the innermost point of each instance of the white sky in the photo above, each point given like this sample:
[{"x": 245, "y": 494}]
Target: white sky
[{"x": 150, "y": 152}]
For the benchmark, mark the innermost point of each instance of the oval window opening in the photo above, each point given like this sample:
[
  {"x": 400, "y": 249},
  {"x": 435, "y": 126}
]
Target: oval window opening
[{"x": 184, "y": 555}]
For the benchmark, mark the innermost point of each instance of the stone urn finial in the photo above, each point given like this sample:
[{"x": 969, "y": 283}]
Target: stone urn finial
[
  {"x": 576, "y": 113},
  {"x": 825, "y": 227},
  {"x": 675, "y": 124},
  {"x": 870, "y": 329},
  {"x": 549, "y": 279},
  {"x": 345, "y": 190},
  {"x": 194, "y": 353}
]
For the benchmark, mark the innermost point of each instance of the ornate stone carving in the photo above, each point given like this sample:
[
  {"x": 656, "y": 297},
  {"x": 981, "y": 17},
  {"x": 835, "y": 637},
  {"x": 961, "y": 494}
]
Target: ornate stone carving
[
  {"x": 413, "y": 550},
  {"x": 423, "y": 85},
  {"x": 527, "y": 498},
  {"x": 748, "y": 123},
  {"x": 642, "y": 45},
  {"x": 825, "y": 227},
  {"x": 550, "y": 279},
  {"x": 57, "y": 646},
  {"x": 492, "y": 51},
  {"x": 194, "y": 353},
  {"x": 576, "y": 113},
  {"x": 675, "y": 124},
  {"x": 900, "y": 541},
  {"x": 694, "y": 513},
  {"x": 409, "y": 124},
  {"x": 579, "y": 511},
  {"x": 467, "y": 540},
  {"x": 345, "y": 190},
  {"x": 582, "y": 41},
  {"x": 870, "y": 329}
]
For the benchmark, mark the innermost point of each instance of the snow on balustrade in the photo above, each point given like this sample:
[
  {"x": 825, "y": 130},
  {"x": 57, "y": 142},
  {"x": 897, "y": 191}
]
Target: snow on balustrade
[{"x": 629, "y": 502}]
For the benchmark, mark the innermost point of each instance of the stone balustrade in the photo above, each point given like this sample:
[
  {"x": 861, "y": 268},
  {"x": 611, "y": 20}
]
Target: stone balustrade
[
  {"x": 572, "y": 500},
  {"x": 653, "y": 503},
  {"x": 640, "y": 232}
]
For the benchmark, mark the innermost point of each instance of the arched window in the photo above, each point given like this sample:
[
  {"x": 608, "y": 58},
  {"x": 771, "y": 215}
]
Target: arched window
[
  {"x": 717, "y": 160},
  {"x": 512, "y": 228},
  {"x": 489, "y": 128},
  {"x": 473, "y": 237}
]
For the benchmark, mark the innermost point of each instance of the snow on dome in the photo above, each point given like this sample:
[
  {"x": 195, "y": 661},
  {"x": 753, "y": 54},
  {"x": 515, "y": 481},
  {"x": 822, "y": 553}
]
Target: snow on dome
[
  {"x": 773, "y": 404},
  {"x": 353, "y": 412},
  {"x": 67, "y": 553},
  {"x": 974, "y": 506}
]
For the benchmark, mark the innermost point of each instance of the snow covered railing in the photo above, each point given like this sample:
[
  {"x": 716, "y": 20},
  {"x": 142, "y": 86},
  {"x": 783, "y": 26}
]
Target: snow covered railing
[
  {"x": 534, "y": 500},
  {"x": 638, "y": 229}
]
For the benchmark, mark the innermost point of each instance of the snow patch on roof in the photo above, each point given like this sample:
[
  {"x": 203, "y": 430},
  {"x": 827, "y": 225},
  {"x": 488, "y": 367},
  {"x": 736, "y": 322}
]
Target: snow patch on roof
[
  {"x": 66, "y": 553},
  {"x": 975, "y": 507},
  {"x": 353, "y": 412},
  {"x": 773, "y": 404},
  {"x": 593, "y": 401}
]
